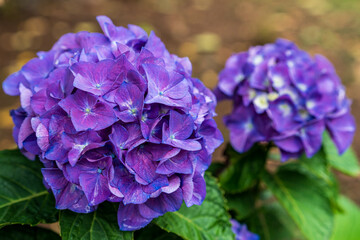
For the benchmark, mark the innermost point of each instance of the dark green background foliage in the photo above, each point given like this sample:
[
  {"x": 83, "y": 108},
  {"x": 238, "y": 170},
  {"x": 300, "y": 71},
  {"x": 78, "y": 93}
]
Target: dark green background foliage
[{"x": 23, "y": 197}]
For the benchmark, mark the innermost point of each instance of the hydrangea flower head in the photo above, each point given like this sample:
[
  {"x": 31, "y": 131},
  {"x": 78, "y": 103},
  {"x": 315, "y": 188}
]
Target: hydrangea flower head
[
  {"x": 241, "y": 231},
  {"x": 282, "y": 94},
  {"x": 115, "y": 117}
]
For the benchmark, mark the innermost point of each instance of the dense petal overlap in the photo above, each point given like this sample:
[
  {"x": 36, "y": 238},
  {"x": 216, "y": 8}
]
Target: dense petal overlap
[
  {"x": 115, "y": 117},
  {"x": 283, "y": 95}
]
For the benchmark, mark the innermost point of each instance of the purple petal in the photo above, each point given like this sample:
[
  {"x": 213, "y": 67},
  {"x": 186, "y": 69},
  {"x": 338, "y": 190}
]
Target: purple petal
[
  {"x": 211, "y": 135},
  {"x": 130, "y": 219},
  {"x": 282, "y": 112},
  {"x": 180, "y": 125},
  {"x": 130, "y": 101},
  {"x": 140, "y": 161},
  {"x": 12, "y": 82},
  {"x": 290, "y": 144},
  {"x": 155, "y": 207},
  {"x": 180, "y": 163},
  {"x": 193, "y": 189},
  {"x": 342, "y": 130},
  {"x": 87, "y": 112},
  {"x": 93, "y": 77},
  {"x": 311, "y": 136},
  {"x": 94, "y": 187},
  {"x": 37, "y": 68},
  {"x": 156, "y": 46},
  {"x": 123, "y": 184},
  {"x": 67, "y": 195}
]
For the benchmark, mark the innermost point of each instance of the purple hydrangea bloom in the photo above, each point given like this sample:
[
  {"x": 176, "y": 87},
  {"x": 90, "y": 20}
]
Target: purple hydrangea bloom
[
  {"x": 241, "y": 231},
  {"x": 116, "y": 117},
  {"x": 283, "y": 95}
]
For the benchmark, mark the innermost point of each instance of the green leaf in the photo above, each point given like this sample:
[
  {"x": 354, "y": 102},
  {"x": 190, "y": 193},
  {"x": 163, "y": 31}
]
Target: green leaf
[
  {"x": 244, "y": 169},
  {"x": 23, "y": 197},
  {"x": 304, "y": 199},
  {"x": 346, "y": 163},
  {"x": 243, "y": 204},
  {"x": 101, "y": 224},
  {"x": 317, "y": 165},
  {"x": 318, "y": 169},
  {"x": 207, "y": 221},
  {"x": 272, "y": 222},
  {"x": 14, "y": 232},
  {"x": 153, "y": 232},
  {"x": 347, "y": 224},
  {"x": 215, "y": 168}
]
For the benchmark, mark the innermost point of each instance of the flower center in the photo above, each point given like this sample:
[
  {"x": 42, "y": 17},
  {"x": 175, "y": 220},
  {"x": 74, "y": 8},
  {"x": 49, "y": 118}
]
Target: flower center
[
  {"x": 278, "y": 81},
  {"x": 133, "y": 111},
  {"x": 303, "y": 113},
  {"x": 261, "y": 102},
  {"x": 273, "y": 96},
  {"x": 239, "y": 78},
  {"x": 310, "y": 104},
  {"x": 258, "y": 59},
  {"x": 248, "y": 126},
  {"x": 285, "y": 109}
]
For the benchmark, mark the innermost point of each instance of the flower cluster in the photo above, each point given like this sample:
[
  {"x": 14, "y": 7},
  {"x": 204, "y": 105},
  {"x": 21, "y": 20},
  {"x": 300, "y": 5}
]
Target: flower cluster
[
  {"x": 241, "y": 231},
  {"x": 282, "y": 94},
  {"x": 115, "y": 117}
]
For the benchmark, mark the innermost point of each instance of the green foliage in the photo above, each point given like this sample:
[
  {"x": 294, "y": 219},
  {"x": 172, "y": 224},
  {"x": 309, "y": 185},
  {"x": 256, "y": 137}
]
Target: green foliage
[
  {"x": 243, "y": 204},
  {"x": 208, "y": 221},
  {"x": 96, "y": 225},
  {"x": 317, "y": 165},
  {"x": 153, "y": 232},
  {"x": 318, "y": 170},
  {"x": 244, "y": 169},
  {"x": 305, "y": 201},
  {"x": 272, "y": 222},
  {"x": 23, "y": 197},
  {"x": 346, "y": 163},
  {"x": 15, "y": 232},
  {"x": 347, "y": 223}
]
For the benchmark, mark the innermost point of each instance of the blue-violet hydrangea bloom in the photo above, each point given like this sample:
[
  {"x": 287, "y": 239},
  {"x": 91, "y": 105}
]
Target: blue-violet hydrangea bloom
[
  {"x": 283, "y": 95},
  {"x": 241, "y": 231},
  {"x": 116, "y": 117}
]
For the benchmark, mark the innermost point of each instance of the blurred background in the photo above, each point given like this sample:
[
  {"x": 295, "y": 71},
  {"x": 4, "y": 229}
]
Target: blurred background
[{"x": 207, "y": 31}]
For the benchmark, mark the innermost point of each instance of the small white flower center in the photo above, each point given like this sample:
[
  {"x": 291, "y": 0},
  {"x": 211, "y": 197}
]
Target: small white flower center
[
  {"x": 248, "y": 126},
  {"x": 88, "y": 110},
  {"x": 257, "y": 59},
  {"x": 303, "y": 113},
  {"x": 278, "y": 81},
  {"x": 290, "y": 64},
  {"x": 273, "y": 96},
  {"x": 285, "y": 109},
  {"x": 252, "y": 94},
  {"x": 261, "y": 101},
  {"x": 310, "y": 104},
  {"x": 239, "y": 78},
  {"x": 133, "y": 111},
  {"x": 302, "y": 87}
]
